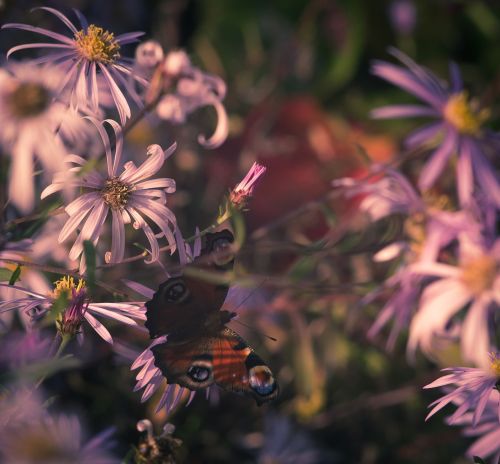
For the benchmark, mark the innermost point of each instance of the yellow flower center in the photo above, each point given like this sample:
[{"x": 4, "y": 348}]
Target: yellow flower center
[
  {"x": 116, "y": 192},
  {"x": 437, "y": 201},
  {"x": 29, "y": 99},
  {"x": 465, "y": 115},
  {"x": 97, "y": 44},
  {"x": 66, "y": 285},
  {"x": 495, "y": 364},
  {"x": 414, "y": 228},
  {"x": 479, "y": 274}
]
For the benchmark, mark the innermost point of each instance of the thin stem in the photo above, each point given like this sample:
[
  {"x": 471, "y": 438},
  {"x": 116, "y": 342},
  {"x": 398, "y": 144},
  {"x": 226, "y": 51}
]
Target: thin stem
[{"x": 64, "y": 341}]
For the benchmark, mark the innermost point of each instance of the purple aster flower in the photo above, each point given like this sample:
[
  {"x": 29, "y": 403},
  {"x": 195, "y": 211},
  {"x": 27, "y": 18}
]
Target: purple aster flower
[
  {"x": 285, "y": 442},
  {"x": 244, "y": 190},
  {"x": 78, "y": 308},
  {"x": 151, "y": 379},
  {"x": 130, "y": 196},
  {"x": 22, "y": 348},
  {"x": 474, "y": 283},
  {"x": 429, "y": 227},
  {"x": 487, "y": 445},
  {"x": 149, "y": 376},
  {"x": 473, "y": 386},
  {"x": 29, "y": 433},
  {"x": 87, "y": 55},
  {"x": 459, "y": 121}
]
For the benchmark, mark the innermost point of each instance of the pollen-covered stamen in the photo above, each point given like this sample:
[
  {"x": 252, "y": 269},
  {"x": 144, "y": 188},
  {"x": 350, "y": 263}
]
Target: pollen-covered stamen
[
  {"x": 465, "y": 115},
  {"x": 116, "y": 192},
  {"x": 495, "y": 364},
  {"x": 69, "y": 320},
  {"x": 479, "y": 274},
  {"x": 414, "y": 228},
  {"x": 97, "y": 44},
  {"x": 29, "y": 99},
  {"x": 437, "y": 201}
]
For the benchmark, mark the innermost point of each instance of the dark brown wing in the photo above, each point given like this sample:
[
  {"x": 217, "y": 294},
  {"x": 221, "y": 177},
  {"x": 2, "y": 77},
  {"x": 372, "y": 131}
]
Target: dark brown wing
[
  {"x": 224, "y": 359},
  {"x": 182, "y": 306}
]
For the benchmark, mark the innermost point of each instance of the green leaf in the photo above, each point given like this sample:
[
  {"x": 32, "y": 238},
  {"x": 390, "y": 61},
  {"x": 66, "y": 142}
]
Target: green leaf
[
  {"x": 5, "y": 274},
  {"x": 59, "y": 305},
  {"x": 15, "y": 275},
  {"x": 89, "y": 253},
  {"x": 478, "y": 460}
]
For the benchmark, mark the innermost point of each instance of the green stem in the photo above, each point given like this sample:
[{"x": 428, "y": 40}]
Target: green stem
[{"x": 64, "y": 341}]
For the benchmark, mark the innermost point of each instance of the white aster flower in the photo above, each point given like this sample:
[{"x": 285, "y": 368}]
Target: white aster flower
[
  {"x": 129, "y": 195},
  {"x": 474, "y": 283},
  {"x": 87, "y": 54},
  {"x": 193, "y": 89},
  {"x": 30, "y": 115},
  {"x": 78, "y": 309}
]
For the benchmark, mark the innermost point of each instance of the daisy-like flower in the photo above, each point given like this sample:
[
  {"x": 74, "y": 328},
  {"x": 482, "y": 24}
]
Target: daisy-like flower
[
  {"x": 130, "y": 195},
  {"x": 240, "y": 195},
  {"x": 29, "y": 117},
  {"x": 487, "y": 445},
  {"x": 149, "y": 376},
  {"x": 32, "y": 435},
  {"x": 77, "y": 309},
  {"x": 473, "y": 387},
  {"x": 431, "y": 223},
  {"x": 88, "y": 53},
  {"x": 429, "y": 227},
  {"x": 474, "y": 283},
  {"x": 459, "y": 121},
  {"x": 151, "y": 379},
  {"x": 244, "y": 190},
  {"x": 194, "y": 89}
]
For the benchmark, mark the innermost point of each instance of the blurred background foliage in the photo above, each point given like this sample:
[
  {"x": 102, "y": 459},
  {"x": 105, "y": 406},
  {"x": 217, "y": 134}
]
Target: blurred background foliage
[{"x": 299, "y": 97}]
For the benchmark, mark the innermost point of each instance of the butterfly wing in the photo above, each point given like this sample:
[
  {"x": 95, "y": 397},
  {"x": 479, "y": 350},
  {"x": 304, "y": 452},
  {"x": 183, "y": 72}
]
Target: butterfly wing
[
  {"x": 182, "y": 305},
  {"x": 224, "y": 359}
]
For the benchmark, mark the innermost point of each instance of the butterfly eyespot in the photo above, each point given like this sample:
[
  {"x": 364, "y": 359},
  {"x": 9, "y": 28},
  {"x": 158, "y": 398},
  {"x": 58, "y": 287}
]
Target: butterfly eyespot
[
  {"x": 199, "y": 372},
  {"x": 261, "y": 380},
  {"x": 176, "y": 292}
]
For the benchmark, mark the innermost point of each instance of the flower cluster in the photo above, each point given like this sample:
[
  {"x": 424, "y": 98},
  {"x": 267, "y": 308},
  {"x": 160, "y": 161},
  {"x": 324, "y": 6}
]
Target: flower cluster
[
  {"x": 64, "y": 115},
  {"x": 445, "y": 282}
]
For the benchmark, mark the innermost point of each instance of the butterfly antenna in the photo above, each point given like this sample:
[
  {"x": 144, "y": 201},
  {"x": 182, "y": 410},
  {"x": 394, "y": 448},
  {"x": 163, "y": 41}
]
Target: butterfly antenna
[
  {"x": 242, "y": 302},
  {"x": 255, "y": 330}
]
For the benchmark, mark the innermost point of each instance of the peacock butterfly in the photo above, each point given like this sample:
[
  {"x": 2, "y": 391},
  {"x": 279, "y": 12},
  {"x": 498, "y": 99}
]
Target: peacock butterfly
[{"x": 200, "y": 349}]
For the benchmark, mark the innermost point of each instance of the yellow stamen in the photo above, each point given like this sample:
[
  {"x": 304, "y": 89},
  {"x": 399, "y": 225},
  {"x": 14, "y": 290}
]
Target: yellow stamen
[
  {"x": 479, "y": 274},
  {"x": 97, "y": 44},
  {"x": 464, "y": 114},
  {"x": 414, "y": 228},
  {"x": 65, "y": 285},
  {"x": 29, "y": 99},
  {"x": 495, "y": 364},
  {"x": 437, "y": 201},
  {"x": 116, "y": 193}
]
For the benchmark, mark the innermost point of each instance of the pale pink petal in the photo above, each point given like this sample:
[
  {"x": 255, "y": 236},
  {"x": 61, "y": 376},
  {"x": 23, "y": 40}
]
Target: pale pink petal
[
  {"x": 39, "y": 30},
  {"x": 117, "y": 237},
  {"x": 99, "y": 328},
  {"x": 117, "y": 95},
  {"x": 62, "y": 17}
]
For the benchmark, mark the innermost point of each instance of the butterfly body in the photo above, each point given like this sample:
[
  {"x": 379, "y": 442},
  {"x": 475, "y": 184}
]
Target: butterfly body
[{"x": 200, "y": 349}]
